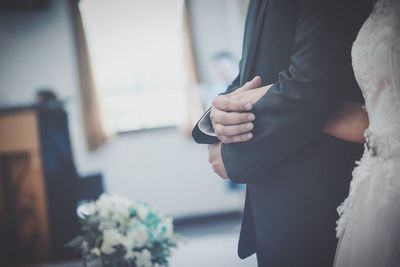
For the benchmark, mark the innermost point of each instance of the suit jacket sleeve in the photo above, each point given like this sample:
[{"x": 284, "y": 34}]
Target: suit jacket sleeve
[
  {"x": 294, "y": 110},
  {"x": 203, "y": 138}
]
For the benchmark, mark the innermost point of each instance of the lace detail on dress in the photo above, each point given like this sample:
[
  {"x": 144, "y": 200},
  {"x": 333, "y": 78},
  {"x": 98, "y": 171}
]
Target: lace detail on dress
[
  {"x": 368, "y": 44},
  {"x": 343, "y": 209},
  {"x": 369, "y": 226},
  {"x": 376, "y": 62},
  {"x": 379, "y": 152}
]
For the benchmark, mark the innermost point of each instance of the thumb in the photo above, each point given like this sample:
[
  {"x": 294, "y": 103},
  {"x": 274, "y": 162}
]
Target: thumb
[{"x": 252, "y": 84}]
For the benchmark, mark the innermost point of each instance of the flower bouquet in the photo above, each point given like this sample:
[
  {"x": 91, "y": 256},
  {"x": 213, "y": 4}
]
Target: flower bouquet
[{"x": 117, "y": 232}]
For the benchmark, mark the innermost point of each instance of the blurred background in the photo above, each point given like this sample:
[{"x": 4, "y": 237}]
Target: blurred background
[{"x": 100, "y": 96}]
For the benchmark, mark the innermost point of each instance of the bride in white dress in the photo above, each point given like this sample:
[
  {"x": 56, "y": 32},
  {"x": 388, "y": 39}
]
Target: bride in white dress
[{"x": 369, "y": 227}]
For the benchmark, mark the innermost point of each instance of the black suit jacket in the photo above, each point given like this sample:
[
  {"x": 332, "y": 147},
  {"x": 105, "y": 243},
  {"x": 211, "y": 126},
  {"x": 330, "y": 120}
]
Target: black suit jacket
[{"x": 296, "y": 176}]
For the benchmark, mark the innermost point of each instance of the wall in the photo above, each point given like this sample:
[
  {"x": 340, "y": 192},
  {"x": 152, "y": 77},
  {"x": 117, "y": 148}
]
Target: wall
[
  {"x": 161, "y": 167},
  {"x": 217, "y": 26}
]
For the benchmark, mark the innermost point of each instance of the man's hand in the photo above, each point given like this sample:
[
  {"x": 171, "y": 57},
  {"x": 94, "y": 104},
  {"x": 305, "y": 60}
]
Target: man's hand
[
  {"x": 215, "y": 159},
  {"x": 230, "y": 114}
]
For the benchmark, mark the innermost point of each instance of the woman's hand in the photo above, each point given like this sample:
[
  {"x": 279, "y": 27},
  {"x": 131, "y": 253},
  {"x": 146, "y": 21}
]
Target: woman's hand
[{"x": 349, "y": 123}]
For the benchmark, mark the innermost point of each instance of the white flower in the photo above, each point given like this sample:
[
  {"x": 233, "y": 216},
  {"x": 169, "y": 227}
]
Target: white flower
[
  {"x": 130, "y": 254},
  {"x": 143, "y": 212},
  {"x": 111, "y": 238},
  {"x": 135, "y": 238},
  {"x": 114, "y": 207},
  {"x": 129, "y": 244},
  {"x": 138, "y": 235},
  {"x": 107, "y": 224},
  {"x": 127, "y": 224},
  {"x": 96, "y": 251},
  {"x": 143, "y": 258}
]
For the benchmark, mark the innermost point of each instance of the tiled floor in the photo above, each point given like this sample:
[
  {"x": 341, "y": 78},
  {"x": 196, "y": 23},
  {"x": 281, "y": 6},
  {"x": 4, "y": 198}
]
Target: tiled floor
[
  {"x": 211, "y": 243},
  {"x": 211, "y": 251}
]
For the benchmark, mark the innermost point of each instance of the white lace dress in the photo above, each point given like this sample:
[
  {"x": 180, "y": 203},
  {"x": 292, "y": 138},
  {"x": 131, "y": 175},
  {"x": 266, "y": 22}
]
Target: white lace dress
[{"x": 369, "y": 227}]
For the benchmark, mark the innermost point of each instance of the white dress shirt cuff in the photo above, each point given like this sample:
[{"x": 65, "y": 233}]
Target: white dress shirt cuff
[{"x": 205, "y": 124}]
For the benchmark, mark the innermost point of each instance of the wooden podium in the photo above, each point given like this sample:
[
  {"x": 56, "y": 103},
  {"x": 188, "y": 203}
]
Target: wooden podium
[{"x": 24, "y": 231}]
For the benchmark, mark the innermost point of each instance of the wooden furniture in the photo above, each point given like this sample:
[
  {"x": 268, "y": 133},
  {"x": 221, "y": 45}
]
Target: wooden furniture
[
  {"x": 24, "y": 231},
  {"x": 39, "y": 186}
]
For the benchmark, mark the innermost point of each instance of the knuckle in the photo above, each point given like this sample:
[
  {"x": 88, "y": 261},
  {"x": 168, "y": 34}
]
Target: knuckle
[
  {"x": 228, "y": 140},
  {"x": 216, "y": 102},
  {"x": 226, "y": 103},
  {"x": 233, "y": 105},
  {"x": 217, "y": 128},
  {"x": 222, "y": 129},
  {"x": 236, "y": 118},
  {"x": 236, "y": 139},
  {"x": 233, "y": 119},
  {"x": 212, "y": 115},
  {"x": 224, "y": 118},
  {"x": 222, "y": 139},
  {"x": 235, "y": 130},
  {"x": 239, "y": 130},
  {"x": 232, "y": 130}
]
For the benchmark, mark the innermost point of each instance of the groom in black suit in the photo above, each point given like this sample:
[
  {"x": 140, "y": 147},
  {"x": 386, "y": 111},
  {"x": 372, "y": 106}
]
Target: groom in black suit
[{"x": 296, "y": 175}]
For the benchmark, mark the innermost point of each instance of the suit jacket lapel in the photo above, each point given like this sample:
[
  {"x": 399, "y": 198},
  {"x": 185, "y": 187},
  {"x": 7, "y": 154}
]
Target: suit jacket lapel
[{"x": 254, "y": 24}]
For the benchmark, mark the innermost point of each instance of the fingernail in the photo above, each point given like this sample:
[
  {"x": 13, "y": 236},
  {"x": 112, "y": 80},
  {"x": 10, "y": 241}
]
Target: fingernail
[
  {"x": 249, "y": 135},
  {"x": 251, "y": 117},
  {"x": 249, "y": 126},
  {"x": 248, "y": 106}
]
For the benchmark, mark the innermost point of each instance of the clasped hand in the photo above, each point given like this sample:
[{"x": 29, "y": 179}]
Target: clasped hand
[
  {"x": 231, "y": 114},
  {"x": 232, "y": 119}
]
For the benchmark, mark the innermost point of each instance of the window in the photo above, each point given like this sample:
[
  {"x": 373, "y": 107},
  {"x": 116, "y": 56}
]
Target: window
[{"x": 136, "y": 51}]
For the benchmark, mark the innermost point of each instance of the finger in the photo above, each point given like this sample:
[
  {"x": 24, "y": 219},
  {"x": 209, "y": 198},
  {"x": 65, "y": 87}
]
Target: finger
[
  {"x": 252, "y": 84},
  {"x": 252, "y": 96},
  {"x": 236, "y": 139},
  {"x": 226, "y": 104},
  {"x": 245, "y": 97},
  {"x": 230, "y": 118},
  {"x": 210, "y": 157},
  {"x": 232, "y": 130},
  {"x": 219, "y": 170},
  {"x": 211, "y": 147},
  {"x": 212, "y": 153}
]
